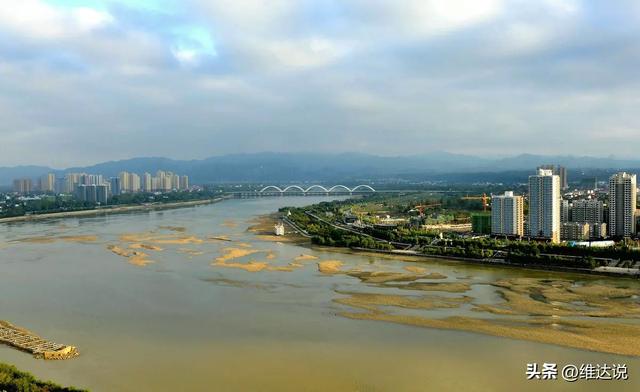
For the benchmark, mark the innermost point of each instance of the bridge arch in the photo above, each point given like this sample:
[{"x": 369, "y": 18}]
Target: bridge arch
[
  {"x": 363, "y": 186},
  {"x": 316, "y": 186},
  {"x": 271, "y": 187},
  {"x": 339, "y": 186},
  {"x": 293, "y": 187}
]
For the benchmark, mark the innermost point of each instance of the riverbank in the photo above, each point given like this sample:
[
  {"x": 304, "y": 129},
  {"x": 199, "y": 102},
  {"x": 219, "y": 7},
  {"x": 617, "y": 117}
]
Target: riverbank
[
  {"x": 606, "y": 271},
  {"x": 111, "y": 210},
  {"x": 12, "y": 379},
  {"x": 294, "y": 236}
]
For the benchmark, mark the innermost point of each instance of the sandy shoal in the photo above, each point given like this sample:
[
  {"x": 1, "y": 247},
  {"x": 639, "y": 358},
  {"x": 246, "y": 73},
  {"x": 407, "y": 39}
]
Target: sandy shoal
[
  {"x": 252, "y": 266},
  {"x": 329, "y": 267},
  {"x": 371, "y": 301},
  {"x": 145, "y": 246},
  {"x": 51, "y": 239},
  {"x": 134, "y": 257},
  {"x": 594, "y": 336},
  {"x": 305, "y": 257},
  {"x": 235, "y": 253},
  {"x": 179, "y": 229}
]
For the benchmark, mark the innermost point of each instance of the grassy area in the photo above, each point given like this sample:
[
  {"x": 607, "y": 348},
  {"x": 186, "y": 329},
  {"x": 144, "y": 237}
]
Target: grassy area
[{"x": 14, "y": 380}]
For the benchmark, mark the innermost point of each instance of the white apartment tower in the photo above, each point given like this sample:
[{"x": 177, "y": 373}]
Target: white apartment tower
[
  {"x": 622, "y": 204},
  {"x": 147, "y": 184},
  {"x": 507, "y": 216},
  {"x": 544, "y": 205},
  {"x": 48, "y": 182},
  {"x": 134, "y": 182},
  {"x": 125, "y": 181}
]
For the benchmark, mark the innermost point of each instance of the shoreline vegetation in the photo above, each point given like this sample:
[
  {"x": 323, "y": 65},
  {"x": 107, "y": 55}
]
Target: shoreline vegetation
[
  {"x": 111, "y": 210},
  {"x": 14, "y": 380},
  {"x": 322, "y": 223}
]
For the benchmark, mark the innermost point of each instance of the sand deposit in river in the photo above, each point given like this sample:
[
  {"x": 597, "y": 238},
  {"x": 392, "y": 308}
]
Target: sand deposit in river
[
  {"x": 304, "y": 257},
  {"x": 179, "y": 229},
  {"x": 371, "y": 301},
  {"x": 542, "y": 310},
  {"x": 415, "y": 269},
  {"x": 51, "y": 239},
  {"x": 220, "y": 238},
  {"x": 330, "y": 267},
  {"x": 145, "y": 246},
  {"x": 604, "y": 337},
  {"x": 134, "y": 257},
  {"x": 252, "y": 266},
  {"x": 235, "y": 253},
  {"x": 543, "y": 297}
]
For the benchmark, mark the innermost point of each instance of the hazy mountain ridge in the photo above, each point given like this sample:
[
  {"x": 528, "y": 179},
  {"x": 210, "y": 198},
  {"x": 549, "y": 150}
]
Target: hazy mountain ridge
[{"x": 283, "y": 167}]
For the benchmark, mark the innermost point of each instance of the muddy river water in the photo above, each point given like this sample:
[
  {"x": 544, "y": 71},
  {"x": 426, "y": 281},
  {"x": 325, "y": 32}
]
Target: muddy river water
[{"x": 190, "y": 299}]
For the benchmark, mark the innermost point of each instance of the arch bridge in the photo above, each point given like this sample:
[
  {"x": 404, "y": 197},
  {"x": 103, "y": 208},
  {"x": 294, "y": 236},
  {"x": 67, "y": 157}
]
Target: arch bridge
[{"x": 317, "y": 189}]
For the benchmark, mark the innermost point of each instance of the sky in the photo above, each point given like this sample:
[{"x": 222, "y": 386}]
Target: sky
[{"x": 84, "y": 81}]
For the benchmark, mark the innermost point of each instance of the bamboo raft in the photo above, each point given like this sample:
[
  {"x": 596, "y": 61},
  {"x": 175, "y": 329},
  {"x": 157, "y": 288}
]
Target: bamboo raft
[{"x": 32, "y": 343}]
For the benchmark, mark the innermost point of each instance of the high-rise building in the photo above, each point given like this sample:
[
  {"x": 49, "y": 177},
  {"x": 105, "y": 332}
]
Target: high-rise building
[
  {"x": 560, "y": 171},
  {"x": 622, "y": 204},
  {"x": 60, "y": 186},
  {"x": 163, "y": 180},
  {"x": 125, "y": 181},
  {"x": 175, "y": 182},
  {"x": 544, "y": 205},
  {"x": 134, "y": 182},
  {"x": 102, "y": 193},
  {"x": 507, "y": 216},
  {"x": 22, "y": 185},
  {"x": 48, "y": 182},
  {"x": 587, "y": 211},
  {"x": 71, "y": 182},
  {"x": 597, "y": 230},
  {"x": 116, "y": 187},
  {"x": 147, "y": 183},
  {"x": 184, "y": 182},
  {"x": 565, "y": 211}
]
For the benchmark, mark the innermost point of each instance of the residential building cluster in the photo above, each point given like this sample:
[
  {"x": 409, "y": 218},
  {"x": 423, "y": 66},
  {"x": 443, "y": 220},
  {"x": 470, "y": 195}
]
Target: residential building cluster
[
  {"x": 554, "y": 219},
  {"x": 163, "y": 181},
  {"x": 94, "y": 188}
]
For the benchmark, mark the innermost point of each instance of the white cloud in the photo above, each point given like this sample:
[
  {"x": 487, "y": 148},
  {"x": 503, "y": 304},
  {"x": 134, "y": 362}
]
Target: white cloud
[
  {"x": 186, "y": 56},
  {"x": 88, "y": 19},
  {"x": 36, "y": 19}
]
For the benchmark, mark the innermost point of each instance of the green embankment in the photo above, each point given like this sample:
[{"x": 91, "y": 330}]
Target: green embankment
[{"x": 14, "y": 380}]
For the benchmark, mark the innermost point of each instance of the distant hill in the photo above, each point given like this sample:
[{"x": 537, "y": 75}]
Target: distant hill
[
  {"x": 286, "y": 167},
  {"x": 8, "y": 174}
]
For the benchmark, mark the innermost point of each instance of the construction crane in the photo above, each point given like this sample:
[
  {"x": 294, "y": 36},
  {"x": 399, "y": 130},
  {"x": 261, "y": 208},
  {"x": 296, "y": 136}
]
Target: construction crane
[{"x": 483, "y": 197}]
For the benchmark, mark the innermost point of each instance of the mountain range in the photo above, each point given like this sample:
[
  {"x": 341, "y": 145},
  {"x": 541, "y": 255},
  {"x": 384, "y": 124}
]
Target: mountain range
[{"x": 287, "y": 167}]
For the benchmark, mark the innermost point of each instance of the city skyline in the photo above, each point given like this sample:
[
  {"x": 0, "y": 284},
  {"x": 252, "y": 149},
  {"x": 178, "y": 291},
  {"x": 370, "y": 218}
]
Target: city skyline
[{"x": 112, "y": 79}]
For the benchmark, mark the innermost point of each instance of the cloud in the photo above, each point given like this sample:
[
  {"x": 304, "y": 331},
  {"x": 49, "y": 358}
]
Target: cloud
[
  {"x": 39, "y": 20},
  {"x": 111, "y": 79}
]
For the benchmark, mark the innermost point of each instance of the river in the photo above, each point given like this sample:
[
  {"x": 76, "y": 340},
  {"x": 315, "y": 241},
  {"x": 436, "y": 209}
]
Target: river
[{"x": 188, "y": 317}]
